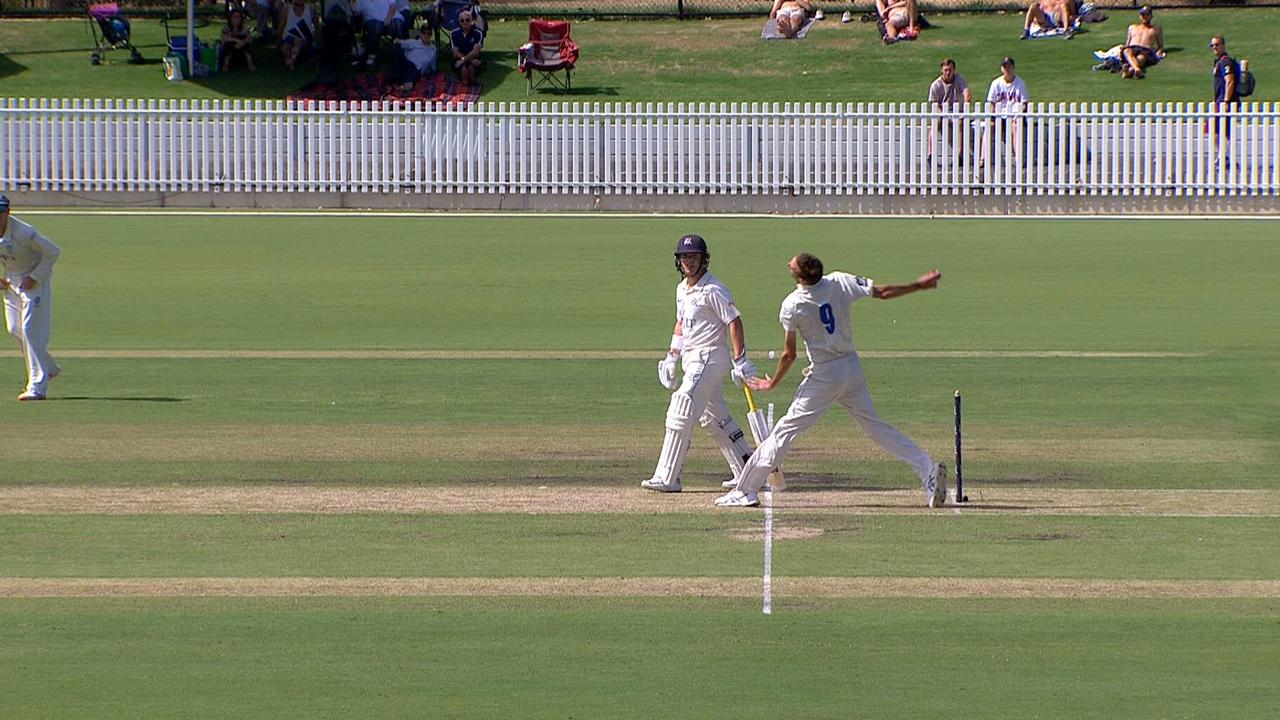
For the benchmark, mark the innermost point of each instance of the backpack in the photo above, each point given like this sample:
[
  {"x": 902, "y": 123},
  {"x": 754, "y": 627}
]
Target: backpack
[{"x": 1246, "y": 85}]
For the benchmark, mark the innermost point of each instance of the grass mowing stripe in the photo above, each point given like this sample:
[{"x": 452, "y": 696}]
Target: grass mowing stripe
[
  {"x": 721, "y": 545},
  {"x": 785, "y": 587},
  {"x": 559, "y": 657}
]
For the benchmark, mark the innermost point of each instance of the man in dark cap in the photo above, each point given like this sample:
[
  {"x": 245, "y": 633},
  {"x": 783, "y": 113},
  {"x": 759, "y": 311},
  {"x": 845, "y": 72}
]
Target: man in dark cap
[
  {"x": 28, "y": 258},
  {"x": 1143, "y": 47},
  {"x": 705, "y": 318}
]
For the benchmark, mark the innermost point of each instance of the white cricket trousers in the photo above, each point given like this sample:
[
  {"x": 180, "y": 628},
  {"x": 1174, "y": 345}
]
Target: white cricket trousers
[
  {"x": 835, "y": 381},
  {"x": 29, "y": 319},
  {"x": 700, "y": 398}
]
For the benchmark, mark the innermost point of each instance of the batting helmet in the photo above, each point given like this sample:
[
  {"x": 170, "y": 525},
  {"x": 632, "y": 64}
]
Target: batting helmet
[{"x": 692, "y": 244}]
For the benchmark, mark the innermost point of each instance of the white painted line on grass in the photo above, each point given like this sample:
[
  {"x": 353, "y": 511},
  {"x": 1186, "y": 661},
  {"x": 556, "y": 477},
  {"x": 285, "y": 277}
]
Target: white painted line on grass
[{"x": 768, "y": 553}]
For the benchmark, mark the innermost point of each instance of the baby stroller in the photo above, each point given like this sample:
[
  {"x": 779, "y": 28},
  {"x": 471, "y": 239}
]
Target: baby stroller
[{"x": 110, "y": 31}]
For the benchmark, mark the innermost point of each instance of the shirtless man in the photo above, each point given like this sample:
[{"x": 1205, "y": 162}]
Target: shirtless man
[
  {"x": 1049, "y": 14},
  {"x": 1143, "y": 47}
]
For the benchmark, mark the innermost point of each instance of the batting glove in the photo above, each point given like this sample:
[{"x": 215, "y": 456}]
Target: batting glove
[
  {"x": 667, "y": 372},
  {"x": 743, "y": 368}
]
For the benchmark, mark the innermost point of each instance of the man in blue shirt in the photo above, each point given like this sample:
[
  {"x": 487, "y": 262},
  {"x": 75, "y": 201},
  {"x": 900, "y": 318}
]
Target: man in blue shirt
[
  {"x": 467, "y": 41},
  {"x": 1226, "y": 76}
]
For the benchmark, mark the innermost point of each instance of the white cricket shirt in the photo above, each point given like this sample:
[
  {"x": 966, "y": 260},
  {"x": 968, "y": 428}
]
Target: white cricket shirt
[
  {"x": 23, "y": 251},
  {"x": 819, "y": 314},
  {"x": 704, "y": 312}
]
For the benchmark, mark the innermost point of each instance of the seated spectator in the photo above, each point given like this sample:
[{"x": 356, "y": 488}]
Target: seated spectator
[
  {"x": 1143, "y": 46},
  {"x": 337, "y": 36},
  {"x": 417, "y": 57},
  {"x": 264, "y": 13},
  {"x": 791, "y": 15},
  {"x": 1049, "y": 17},
  {"x": 379, "y": 18},
  {"x": 297, "y": 31},
  {"x": 901, "y": 19},
  {"x": 403, "y": 26},
  {"x": 235, "y": 42},
  {"x": 466, "y": 42}
]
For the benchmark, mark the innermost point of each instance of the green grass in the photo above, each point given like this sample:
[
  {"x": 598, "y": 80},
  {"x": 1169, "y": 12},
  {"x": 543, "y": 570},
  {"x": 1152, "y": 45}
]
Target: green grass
[
  {"x": 1206, "y": 420},
  {"x": 635, "y": 545},
  {"x": 720, "y": 60},
  {"x": 638, "y": 658}
]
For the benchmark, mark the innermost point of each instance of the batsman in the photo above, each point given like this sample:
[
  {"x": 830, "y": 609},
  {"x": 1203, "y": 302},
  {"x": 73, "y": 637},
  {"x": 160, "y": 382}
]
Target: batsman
[
  {"x": 818, "y": 311},
  {"x": 705, "y": 314}
]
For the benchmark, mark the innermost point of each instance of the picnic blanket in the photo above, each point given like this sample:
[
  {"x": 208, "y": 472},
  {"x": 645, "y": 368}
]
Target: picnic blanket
[
  {"x": 435, "y": 88},
  {"x": 770, "y": 31}
]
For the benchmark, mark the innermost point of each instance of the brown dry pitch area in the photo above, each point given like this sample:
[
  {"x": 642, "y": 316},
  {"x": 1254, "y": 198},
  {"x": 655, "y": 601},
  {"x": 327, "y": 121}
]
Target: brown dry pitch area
[
  {"x": 535, "y": 499},
  {"x": 546, "y": 500}
]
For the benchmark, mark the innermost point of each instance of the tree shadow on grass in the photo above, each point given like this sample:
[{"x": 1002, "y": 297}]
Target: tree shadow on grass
[{"x": 8, "y": 67}]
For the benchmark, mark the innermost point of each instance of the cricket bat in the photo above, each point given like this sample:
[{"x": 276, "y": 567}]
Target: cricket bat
[{"x": 760, "y": 430}]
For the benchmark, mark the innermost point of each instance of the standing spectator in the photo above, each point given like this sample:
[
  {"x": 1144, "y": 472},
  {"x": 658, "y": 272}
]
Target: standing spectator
[
  {"x": 402, "y": 23},
  {"x": 235, "y": 42},
  {"x": 948, "y": 91},
  {"x": 297, "y": 28},
  {"x": 28, "y": 258},
  {"x": 1226, "y": 74},
  {"x": 416, "y": 58},
  {"x": 1143, "y": 46},
  {"x": 1226, "y": 80},
  {"x": 467, "y": 41},
  {"x": 1007, "y": 100}
]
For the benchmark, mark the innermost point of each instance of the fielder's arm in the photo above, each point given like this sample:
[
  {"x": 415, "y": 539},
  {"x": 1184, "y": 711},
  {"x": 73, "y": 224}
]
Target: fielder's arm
[
  {"x": 785, "y": 361},
  {"x": 927, "y": 281}
]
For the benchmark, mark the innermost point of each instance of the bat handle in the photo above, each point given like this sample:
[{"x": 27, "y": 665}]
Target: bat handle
[{"x": 751, "y": 399}]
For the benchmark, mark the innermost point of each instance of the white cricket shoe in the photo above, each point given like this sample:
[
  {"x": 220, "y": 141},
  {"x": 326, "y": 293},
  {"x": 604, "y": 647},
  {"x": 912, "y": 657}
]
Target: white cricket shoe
[
  {"x": 30, "y": 395},
  {"x": 935, "y": 489},
  {"x": 654, "y": 483},
  {"x": 737, "y": 498}
]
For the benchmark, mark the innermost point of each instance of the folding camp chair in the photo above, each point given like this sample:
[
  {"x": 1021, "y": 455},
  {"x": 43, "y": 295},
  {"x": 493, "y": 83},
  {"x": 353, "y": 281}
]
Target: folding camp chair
[{"x": 550, "y": 50}]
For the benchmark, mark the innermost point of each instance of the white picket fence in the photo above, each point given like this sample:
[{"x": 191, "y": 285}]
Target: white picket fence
[{"x": 1172, "y": 149}]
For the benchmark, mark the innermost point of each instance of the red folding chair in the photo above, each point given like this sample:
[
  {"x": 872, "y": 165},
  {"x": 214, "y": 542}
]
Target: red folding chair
[{"x": 550, "y": 50}]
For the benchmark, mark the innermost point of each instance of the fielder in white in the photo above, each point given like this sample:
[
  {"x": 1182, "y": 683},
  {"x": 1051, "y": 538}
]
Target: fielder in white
[
  {"x": 818, "y": 311},
  {"x": 28, "y": 259},
  {"x": 704, "y": 314}
]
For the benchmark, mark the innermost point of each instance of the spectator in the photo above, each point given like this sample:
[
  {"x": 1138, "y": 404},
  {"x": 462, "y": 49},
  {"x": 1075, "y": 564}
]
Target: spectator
[
  {"x": 379, "y": 18},
  {"x": 1006, "y": 99},
  {"x": 948, "y": 90},
  {"x": 1226, "y": 74},
  {"x": 1226, "y": 80},
  {"x": 297, "y": 31},
  {"x": 402, "y": 26},
  {"x": 235, "y": 42},
  {"x": 416, "y": 58},
  {"x": 901, "y": 19},
  {"x": 466, "y": 41},
  {"x": 337, "y": 36},
  {"x": 1044, "y": 16},
  {"x": 265, "y": 13},
  {"x": 790, "y": 15},
  {"x": 1143, "y": 46}
]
